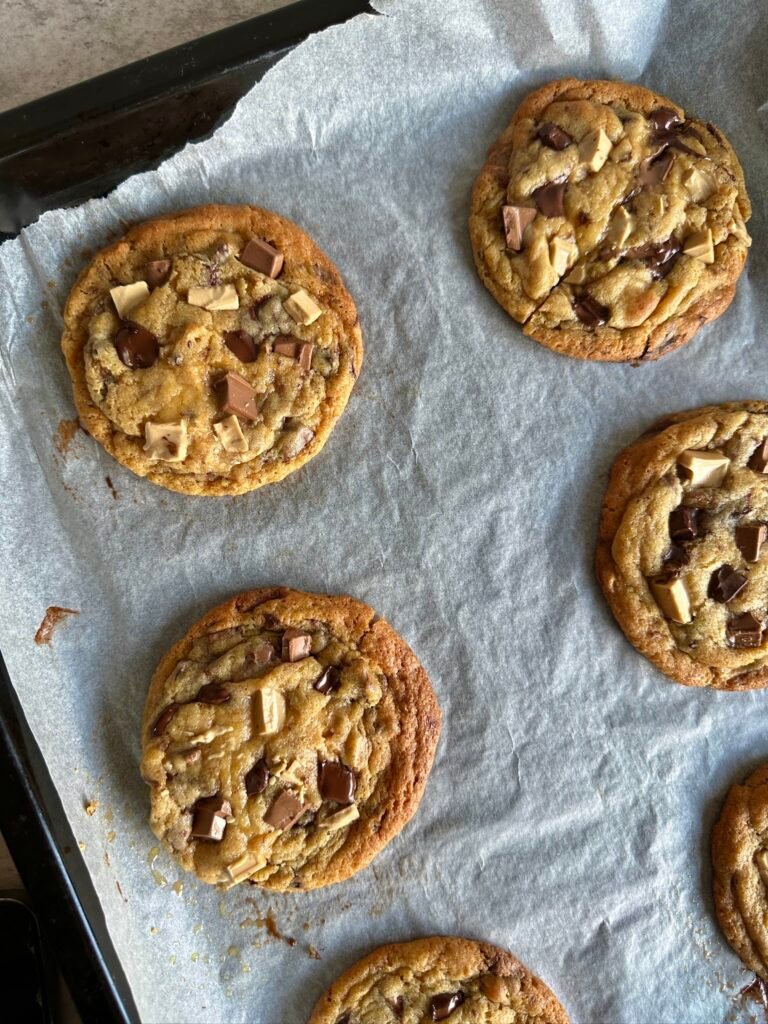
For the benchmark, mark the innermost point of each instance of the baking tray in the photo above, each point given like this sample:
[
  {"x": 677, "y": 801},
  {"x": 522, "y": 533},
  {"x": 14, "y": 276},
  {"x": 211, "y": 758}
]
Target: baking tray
[{"x": 57, "y": 151}]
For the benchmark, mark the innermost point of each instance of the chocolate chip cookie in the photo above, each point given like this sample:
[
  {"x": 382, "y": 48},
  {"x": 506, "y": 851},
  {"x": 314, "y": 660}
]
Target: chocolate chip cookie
[
  {"x": 609, "y": 222},
  {"x": 681, "y": 552},
  {"x": 440, "y": 978},
  {"x": 286, "y": 739},
  {"x": 740, "y": 870},
  {"x": 212, "y": 351}
]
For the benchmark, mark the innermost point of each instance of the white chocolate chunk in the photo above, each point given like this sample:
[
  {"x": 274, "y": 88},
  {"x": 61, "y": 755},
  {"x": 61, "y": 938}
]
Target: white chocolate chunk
[
  {"x": 341, "y": 818},
  {"x": 673, "y": 299},
  {"x": 657, "y": 204},
  {"x": 561, "y": 252},
  {"x": 578, "y": 275},
  {"x": 594, "y": 149},
  {"x": 704, "y": 468},
  {"x": 241, "y": 868},
  {"x": 302, "y": 308},
  {"x": 231, "y": 435},
  {"x": 621, "y": 227},
  {"x": 166, "y": 441},
  {"x": 128, "y": 297},
  {"x": 699, "y": 244},
  {"x": 220, "y": 296},
  {"x": 621, "y": 151},
  {"x": 738, "y": 228},
  {"x": 673, "y": 599},
  {"x": 698, "y": 184},
  {"x": 268, "y": 712}
]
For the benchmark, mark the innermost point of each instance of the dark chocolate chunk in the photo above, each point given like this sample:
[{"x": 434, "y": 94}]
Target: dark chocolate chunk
[
  {"x": 590, "y": 312},
  {"x": 750, "y": 538},
  {"x": 213, "y": 693},
  {"x": 236, "y": 396},
  {"x": 242, "y": 345},
  {"x": 260, "y": 255},
  {"x": 210, "y": 818},
  {"x": 345, "y": 1018},
  {"x": 759, "y": 458},
  {"x": 157, "y": 272},
  {"x": 656, "y": 169},
  {"x": 664, "y": 118},
  {"x": 744, "y": 630},
  {"x": 684, "y": 524},
  {"x": 257, "y": 778},
  {"x": 725, "y": 583},
  {"x": 136, "y": 347},
  {"x": 659, "y": 257},
  {"x": 553, "y": 136},
  {"x": 336, "y": 782},
  {"x": 164, "y": 718},
  {"x": 549, "y": 199},
  {"x": 397, "y": 1005},
  {"x": 443, "y": 1005},
  {"x": 677, "y": 556},
  {"x": 329, "y": 681}
]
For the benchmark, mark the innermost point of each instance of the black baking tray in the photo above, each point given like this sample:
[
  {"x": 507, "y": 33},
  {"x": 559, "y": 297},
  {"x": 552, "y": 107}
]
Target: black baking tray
[{"x": 57, "y": 151}]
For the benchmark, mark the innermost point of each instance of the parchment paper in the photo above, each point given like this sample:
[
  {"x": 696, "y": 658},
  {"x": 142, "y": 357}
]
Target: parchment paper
[{"x": 568, "y": 813}]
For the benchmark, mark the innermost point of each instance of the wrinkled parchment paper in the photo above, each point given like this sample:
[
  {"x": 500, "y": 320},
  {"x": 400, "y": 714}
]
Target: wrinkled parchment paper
[{"x": 568, "y": 813}]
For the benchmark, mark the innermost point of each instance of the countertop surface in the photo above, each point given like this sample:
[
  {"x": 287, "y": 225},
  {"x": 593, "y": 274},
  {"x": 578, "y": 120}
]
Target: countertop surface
[{"x": 56, "y": 43}]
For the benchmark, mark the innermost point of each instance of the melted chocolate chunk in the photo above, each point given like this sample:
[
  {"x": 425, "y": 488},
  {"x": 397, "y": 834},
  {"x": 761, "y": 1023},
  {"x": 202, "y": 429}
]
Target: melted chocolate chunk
[
  {"x": 553, "y": 136},
  {"x": 257, "y": 778},
  {"x": 443, "y": 1005},
  {"x": 549, "y": 199},
  {"x": 656, "y": 169},
  {"x": 677, "y": 556},
  {"x": 156, "y": 273},
  {"x": 590, "y": 312},
  {"x": 336, "y": 782},
  {"x": 659, "y": 257},
  {"x": 164, "y": 718},
  {"x": 137, "y": 348},
  {"x": 242, "y": 345},
  {"x": 213, "y": 693},
  {"x": 744, "y": 630},
  {"x": 725, "y": 583},
  {"x": 397, "y": 1005},
  {"x": 329, "y": 681},
  {"x": 664, "y": 118},
  {"x": 684, "y": 524}
]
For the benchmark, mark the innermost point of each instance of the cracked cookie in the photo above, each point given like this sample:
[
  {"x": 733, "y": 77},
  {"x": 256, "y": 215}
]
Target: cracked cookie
[
  {"x": 212, "y": 350},
  {"x": 608, "y": 222},
  {"x": 740, "y": 870},
  {"x": 441, "y": 978},
  {"x": 286, "y": 739},
  {"x": 680, "y": 554}
]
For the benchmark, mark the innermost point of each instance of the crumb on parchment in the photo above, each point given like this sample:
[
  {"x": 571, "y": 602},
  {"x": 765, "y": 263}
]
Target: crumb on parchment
[{"x": 54, "y": 614}]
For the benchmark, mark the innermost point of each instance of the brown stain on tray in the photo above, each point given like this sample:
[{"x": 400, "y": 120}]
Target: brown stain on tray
[
  {"x": 54, "y": 614},
  {"x": 65, "y": 435}
]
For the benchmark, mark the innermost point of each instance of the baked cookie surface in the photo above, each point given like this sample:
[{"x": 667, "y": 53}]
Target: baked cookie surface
[
  {"x": 680, "y": 554},
  {"x": 740, "y": 870},
  {"x": 441, "y": 978},
  {"x": 212, "y": 350},
  {"x": 287, "y": 738},
  {"x": 608, "y": 222}
]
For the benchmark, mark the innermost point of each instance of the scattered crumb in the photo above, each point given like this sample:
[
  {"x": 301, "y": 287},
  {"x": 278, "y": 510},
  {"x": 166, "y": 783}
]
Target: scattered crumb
[
  {"x": 197, "y": 929},
  {"x": 233, "y": 951},
  {"x": 153, "y": 930},
  {"x": 313, "y": 953},
  {"x": 82, "y": 846},
  {"x": 65, "y": 435},
  {"x": 30, "y": 318},
  {"x": 178, "y": 888},
  {"x": 53, "y": 616},
  {"x": 194, "y": 957},
  {"x": 172, "y": 960},
  {"x": 122, "y": 894},
  {"x": 111, "y": 836},
  {"x": 90, "y": 807},
  {"x": 111, "y": 486}
]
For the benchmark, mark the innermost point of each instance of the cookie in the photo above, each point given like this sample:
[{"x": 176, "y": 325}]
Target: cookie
[
  {"x": 740, "y": 870},
  {"x": 680, "y": 554},
  {"x": 213, "y": 350},
  {"x": 440, "y": 978},
  {"x": 608, "y": 222},
  {"x": 286, "y": 739}
]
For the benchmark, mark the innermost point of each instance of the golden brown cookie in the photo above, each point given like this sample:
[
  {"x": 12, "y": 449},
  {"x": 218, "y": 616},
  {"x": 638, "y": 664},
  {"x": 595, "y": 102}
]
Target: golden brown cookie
[
  {"x": 441, "y": 978},
  {"x": 287, "y": 738},
  {"x": 212, "y": 350},
  {"x": 609, "y": 222},
  {"x": 740, "y": 870},
  {"x": 681, "y": 556}
]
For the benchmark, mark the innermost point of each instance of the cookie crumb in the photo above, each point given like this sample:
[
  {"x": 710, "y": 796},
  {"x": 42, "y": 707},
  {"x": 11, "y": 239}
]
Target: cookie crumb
[
  {"x": 90, "y": 807},
  {"x": 53, "y": 616}
]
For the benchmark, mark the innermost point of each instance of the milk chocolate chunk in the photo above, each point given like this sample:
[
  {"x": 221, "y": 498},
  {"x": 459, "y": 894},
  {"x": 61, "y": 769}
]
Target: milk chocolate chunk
[
  {"x": 336, "y": 782},
  {"x": 590, "y": 312},
  {"x": 284, "y": 811},
  {"x": 257, "y": 778},
  {"x": 213, "y": 693},
  {"x": 744, "y": 630},
  {"x": 296, "y": 349},
  {"x": 750, "y": 538},
  {"x": 759, "y": 458},
  {"x": 136, "y": 347},
  {"x": 329, "y": 681},
  {"x": 684, "y": 524},
  {"x": 549, "y": 199},
  {"x": 296, "y": 645},
  {"x": 242, "y": 345},
  {"x": 516, "y": 220},
  {"x": 260, "y": 255},
  {"x": 210, "y": 818},
  {"x": 664, "y": 118},
  {"x": 659, "y": 257},
  {"x": 157, "y": 272},
  {"x": 655, "y": 170},
  {"x": 443, "y": 1005},
  {"x": 725, "y": 583},
  {"x": 236, "y": 396},
  {"x": 164, "y": 718},
  {"x": 553, "y": 136},
  {"x": 672, "y": 597}
]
